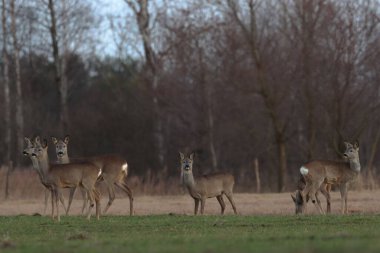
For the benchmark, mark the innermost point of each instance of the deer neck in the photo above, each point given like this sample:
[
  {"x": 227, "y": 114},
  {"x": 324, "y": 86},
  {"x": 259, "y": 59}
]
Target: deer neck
[
  {"x": 188, "y": 181},
  {"x": 355, "y": 164},
  {"x": 63, "y": 159},
  {"x": 44, "y": 164},
  {"x": 36, "y": 167}
]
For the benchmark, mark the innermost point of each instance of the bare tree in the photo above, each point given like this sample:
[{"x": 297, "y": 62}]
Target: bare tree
[
  {"x": 19, "y": 99},
  {"x": 59, "y": 67},
  {"x": 250, "y": 33},
  {"x": 7, "y": 96},
  {"x": 142, "y": 15}
]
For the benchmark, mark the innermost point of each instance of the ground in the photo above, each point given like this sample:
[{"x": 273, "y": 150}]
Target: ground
[
  {"x": 265, "y": 223},
  {"x": 359, "y": 202}
]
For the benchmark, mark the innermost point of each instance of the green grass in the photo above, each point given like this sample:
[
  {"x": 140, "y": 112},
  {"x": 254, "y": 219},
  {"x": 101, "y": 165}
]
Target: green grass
[{"x": 167, "y": 233}]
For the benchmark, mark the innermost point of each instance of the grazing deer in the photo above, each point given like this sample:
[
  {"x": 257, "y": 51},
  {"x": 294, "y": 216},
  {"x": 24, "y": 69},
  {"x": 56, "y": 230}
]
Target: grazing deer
[
  {"x": 70, "y": 175},
  {"x": 208, "y": 186},
  {"x": 341, "y": 173},
  {"x": 28, "y": 151},
  {"x": 63, "y": 157},
  {"x": 114, "y": 171},
  {"x": 299, "y": 202}
]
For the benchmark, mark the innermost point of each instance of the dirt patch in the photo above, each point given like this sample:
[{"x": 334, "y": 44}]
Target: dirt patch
[{"x": 247, "y": 204}]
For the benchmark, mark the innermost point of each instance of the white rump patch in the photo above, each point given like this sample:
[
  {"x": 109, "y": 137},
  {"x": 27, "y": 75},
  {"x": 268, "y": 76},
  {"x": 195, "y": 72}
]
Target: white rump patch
[
  {"x": 100, "y": 172},
  {"x": 124, "y": 167},
  {"x": 304, "y": 171}
]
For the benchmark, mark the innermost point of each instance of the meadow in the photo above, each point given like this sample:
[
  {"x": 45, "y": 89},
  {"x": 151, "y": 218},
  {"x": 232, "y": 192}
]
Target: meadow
[
  {"x": 184, "y": 233},
  {"x": 266, "y": 223}
]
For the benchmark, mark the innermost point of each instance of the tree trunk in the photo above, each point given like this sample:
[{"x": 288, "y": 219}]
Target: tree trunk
[
  {"x": 19, "y": 99},
  {"x": 372, "y": 158},
  {"x": 211, "y": 135},
  {"x": 59, "y": 69},
  {"x": 140, "y": 9},
  {"x": 7, "y": 177},
  {"x": 63, "y": 86},
  {"x": 7, "y": 96},
  {"x": 250, "y": 34},
  {"x": 282, "y": 169}
]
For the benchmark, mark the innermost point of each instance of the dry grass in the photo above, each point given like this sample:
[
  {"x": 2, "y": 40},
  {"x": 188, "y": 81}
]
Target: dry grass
[
  {"x": 247, "y": 203},
  {"x": 164, "y": 196}
]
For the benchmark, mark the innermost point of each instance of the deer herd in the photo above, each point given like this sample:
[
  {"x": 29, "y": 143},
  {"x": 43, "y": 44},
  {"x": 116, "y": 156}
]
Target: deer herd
[{"x": 86, "y": 173}]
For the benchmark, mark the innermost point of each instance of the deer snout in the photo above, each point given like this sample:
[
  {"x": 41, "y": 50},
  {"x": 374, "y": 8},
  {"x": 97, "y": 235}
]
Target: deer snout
[
  {"x": 25, "y": 153},
  {"x": 345, "y": 155},
  {"x": 33, "y": 154},
  {"x": 60, "y": 153},
  {"x": 187, "y": 167}
]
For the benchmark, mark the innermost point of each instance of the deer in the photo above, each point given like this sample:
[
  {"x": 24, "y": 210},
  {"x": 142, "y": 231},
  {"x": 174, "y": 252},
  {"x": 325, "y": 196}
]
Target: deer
[
  {"x": 299, "y": 202},
  {"x": 70, "y": 175},
  {"x": 114, "y": 171},
  {"x": 28, "y": 150},
  {"x": 207, "y": 186},
  {"x": 62, "y": 158},
  {"x": 342, "y": 173}
]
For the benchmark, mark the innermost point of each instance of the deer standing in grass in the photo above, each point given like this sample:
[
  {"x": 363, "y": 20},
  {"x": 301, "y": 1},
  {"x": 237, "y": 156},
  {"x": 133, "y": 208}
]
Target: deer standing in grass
[
  {"x": 298, "y": 200},
  {"x": 208, "y": 186},
  {"x": 114, "y": 171},
  {"x": 341, "y": 173},
  {"x": 28, "y": 151},
  {"x": 71, "y": 175},
  {"x": 62, "y": 158}
]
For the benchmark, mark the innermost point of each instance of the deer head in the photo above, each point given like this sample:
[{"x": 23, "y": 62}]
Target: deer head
[
  {"x": 29, "y": 147},
  {"x": 186, "y": 163},
  {"x": 61, "y": 145},
  {"x": 40, "y": 149},
  {"x": 299, "y": 202}
]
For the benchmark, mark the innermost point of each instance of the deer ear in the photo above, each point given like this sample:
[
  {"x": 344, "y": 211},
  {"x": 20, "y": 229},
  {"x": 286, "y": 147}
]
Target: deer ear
[
  {"x": 356, "y": 144},
  {"x": 37, "y": 140},
  {"x": 27, "y": 140},
  {"x": 347, "y": 144},
  {"x": 54, "y": 140},
  {"x": 181, "y": 155},
  {"x": 191, "y": 156},
  {"x": 44, "y": 143},
  {"x": 67, "y": 138}
]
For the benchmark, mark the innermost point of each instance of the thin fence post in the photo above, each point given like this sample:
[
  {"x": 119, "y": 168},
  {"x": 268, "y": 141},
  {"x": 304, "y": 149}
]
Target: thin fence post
[
  {"x": 257, "y": 173},
  {"x": 9, "y": 171}
]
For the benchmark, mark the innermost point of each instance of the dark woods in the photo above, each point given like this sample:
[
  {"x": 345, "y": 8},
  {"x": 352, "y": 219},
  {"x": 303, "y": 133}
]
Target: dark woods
[{"x": 282, "y": 81}]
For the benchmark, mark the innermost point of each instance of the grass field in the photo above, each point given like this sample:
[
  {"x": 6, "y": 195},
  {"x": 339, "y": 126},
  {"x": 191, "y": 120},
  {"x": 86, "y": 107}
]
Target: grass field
[{"x": 182, "y": 233}]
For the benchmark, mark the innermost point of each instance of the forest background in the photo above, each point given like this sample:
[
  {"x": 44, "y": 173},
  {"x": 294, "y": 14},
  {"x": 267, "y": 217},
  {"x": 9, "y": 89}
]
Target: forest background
[{"x": 279, "y": 82}]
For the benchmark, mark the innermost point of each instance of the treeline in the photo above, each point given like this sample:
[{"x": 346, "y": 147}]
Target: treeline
[{"x": 282, "y": 81}]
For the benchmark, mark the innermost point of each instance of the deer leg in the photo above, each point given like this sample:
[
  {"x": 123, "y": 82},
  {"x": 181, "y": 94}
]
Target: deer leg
[
  {"x": 343, "y": 194},
  {"x": 72, "y": 191},
  {"x": 52, "y": 203},
  {"x": 312, "y": 195},
  {"x": 203, "y": 202},
  {"x": 62, "y": 199},
  {"x": 91, "y": 197},
  {"x": 47, "y": 192},
  {"x": 128, "y": 191},
  {"x": 319, "y": 204},
  {"x": 97, "y": 202},
  {"x": 221, "y": 202},
  {"x": 111, "y": 193},
  {"x": 326, "y": 192},
  {"x": 230, "y": 198},
  {"x": 57, "y": 195},
  {"x": 196, "y": 205},
  {"x": 85, "y": 199}
]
